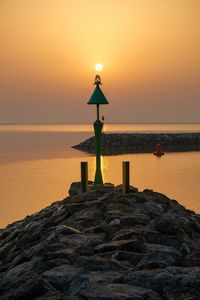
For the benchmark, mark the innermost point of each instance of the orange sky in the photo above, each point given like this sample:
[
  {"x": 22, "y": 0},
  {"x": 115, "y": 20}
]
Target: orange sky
[{"x": 149, "y": 49}]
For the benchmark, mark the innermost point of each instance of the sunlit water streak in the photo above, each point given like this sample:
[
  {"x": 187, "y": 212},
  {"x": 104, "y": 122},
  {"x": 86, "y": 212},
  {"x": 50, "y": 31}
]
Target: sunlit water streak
[
  {"x": 37, "y": 167},
  {"x": 107, "y": 128}
]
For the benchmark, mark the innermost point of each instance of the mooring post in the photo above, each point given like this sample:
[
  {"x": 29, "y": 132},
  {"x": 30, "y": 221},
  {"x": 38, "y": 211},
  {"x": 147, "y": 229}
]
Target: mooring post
[
  {"x": 84, "y": 176},
  {"x": 126, "y": 176}
]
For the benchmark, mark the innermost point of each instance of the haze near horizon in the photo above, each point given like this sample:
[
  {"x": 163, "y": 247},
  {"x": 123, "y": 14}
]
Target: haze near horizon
[{"x": 149, "y": 50}]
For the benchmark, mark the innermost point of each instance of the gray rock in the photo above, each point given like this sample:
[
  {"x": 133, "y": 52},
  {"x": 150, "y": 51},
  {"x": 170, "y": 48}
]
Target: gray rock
[
  {"x": 133, "y": 245},
  {"x": 118, "y": 291},
  {"x": 63, "y": 229},
  {"x": 27, "y": 289},
  {"x": 115, "y": 222},
  {"x": 135, "y": 219},
  {"x": 97, "y": 263},
  {"x": 169, "y": 224},
  {"x": 59, "y": 277}
]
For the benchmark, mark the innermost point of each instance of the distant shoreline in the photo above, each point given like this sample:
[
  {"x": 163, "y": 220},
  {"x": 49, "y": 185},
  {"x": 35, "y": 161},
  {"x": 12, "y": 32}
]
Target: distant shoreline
[
  {"x": 114, "y": 123},
  {"x": 108, "y": 128},
  {"x": 125, "y": 143}
]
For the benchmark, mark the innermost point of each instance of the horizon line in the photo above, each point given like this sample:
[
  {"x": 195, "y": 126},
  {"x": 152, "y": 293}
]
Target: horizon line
[{"x": 112, "y": 123}]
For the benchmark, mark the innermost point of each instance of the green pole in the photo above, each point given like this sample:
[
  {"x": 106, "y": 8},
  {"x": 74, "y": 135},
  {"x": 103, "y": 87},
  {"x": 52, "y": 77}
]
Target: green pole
[
  {"x": 97, "y": 99},
  {"x": 98, "y": 126}
]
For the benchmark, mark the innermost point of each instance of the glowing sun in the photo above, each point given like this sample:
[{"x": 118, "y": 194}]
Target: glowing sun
[{"x": 98, "y": 67}]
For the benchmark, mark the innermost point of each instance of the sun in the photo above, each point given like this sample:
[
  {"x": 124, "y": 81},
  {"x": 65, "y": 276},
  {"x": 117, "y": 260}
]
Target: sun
[{"x": 99, "y": 67}]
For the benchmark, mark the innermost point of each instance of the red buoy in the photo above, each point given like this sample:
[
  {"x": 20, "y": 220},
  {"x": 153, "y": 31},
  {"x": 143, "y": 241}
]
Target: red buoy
[{"x": 158, "y": 150}]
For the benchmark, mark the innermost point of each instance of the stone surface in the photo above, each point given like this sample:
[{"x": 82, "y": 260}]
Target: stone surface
[
  {"x": 118, "y": 291},
  {"x": 103, "y": 244}
]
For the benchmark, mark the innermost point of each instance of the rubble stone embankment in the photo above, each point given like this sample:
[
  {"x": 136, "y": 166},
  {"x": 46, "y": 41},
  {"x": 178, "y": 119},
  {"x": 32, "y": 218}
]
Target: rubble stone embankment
[
  {"x": 121, "y": 143},
  {"x": 103, "y": 244}
]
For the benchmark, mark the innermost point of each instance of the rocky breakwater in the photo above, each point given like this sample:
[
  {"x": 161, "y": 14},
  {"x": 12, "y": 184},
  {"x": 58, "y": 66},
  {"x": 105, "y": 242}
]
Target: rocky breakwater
[
  {"x": 103, "y": 244},
  {"x": 118, "y": 143}
]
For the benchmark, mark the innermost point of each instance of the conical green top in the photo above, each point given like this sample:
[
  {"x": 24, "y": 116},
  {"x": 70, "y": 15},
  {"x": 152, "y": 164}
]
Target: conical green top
[{"x": 97, "y": 97}]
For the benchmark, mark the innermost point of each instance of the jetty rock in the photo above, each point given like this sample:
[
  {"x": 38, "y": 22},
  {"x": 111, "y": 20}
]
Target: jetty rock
[
  {"x": 122, "y": 143},
  {"x": 103, "y": 244}
]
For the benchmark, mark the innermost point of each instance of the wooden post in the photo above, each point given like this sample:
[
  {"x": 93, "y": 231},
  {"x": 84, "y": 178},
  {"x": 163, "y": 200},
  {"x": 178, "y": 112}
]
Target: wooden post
[
  {"x": 84, "y": 176},
  {"x": 126, "y": 176}
]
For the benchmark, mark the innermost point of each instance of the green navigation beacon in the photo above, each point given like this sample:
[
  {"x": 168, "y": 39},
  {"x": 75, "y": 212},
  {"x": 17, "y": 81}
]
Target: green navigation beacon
[{"x": 98, "y": 99}]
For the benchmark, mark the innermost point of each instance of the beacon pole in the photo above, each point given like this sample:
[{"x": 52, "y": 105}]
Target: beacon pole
[
  {"x": 98, "y": 126},
  {"x": 98, "y": 99}
]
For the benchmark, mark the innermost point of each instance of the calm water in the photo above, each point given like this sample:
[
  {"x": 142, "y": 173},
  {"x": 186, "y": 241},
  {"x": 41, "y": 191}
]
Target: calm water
[{"x": 37, "y": 166}]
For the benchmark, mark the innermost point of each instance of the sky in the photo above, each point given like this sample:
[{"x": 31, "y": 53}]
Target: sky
[{"x": 149, "y": 49}]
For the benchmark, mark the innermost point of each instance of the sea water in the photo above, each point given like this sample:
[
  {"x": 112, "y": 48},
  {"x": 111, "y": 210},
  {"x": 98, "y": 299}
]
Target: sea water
[{"x": 37, "y": 166}]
